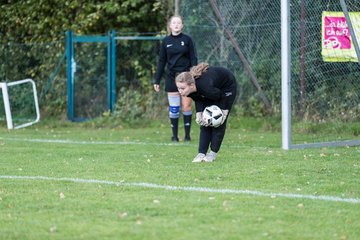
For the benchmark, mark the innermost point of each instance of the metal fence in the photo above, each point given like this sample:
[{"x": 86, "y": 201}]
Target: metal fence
[{"x": 245, "y": 36}]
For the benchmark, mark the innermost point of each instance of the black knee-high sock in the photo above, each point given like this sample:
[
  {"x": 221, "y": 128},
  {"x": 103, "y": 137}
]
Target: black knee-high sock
[
  {"x": 174, "y": 126},
  {"x": 187, "y": 125}
]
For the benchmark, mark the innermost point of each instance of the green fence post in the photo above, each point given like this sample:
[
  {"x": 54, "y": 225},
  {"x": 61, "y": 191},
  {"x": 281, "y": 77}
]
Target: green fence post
[
  {"x": 111, "y": 70},
  {"x": 70, "y": 74}
]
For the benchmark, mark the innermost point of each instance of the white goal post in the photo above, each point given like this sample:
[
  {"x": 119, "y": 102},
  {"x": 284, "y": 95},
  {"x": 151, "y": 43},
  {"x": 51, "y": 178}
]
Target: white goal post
[
  {"x": 286, "y": 81},
  {"x": 9, "y": 119}
]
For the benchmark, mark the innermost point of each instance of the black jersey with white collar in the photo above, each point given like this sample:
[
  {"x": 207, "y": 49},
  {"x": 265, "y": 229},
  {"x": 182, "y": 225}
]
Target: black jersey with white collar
[{"x": 178, "y": 53}]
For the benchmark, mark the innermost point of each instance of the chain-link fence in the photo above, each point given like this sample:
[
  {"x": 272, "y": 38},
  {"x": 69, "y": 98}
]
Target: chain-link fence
[
  {"x": 136, "y": 65},
  {"x": 324, "y": 94},
  {"x": 44, "y": 62},
  {"x": 245, "y": 36}
]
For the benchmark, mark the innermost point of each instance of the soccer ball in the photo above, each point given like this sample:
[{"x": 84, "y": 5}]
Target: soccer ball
[{"x": 213, "y": 116}]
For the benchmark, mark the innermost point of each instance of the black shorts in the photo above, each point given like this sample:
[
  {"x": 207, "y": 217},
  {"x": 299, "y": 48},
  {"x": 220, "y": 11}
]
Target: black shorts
[{"x": 170, "y": 85}]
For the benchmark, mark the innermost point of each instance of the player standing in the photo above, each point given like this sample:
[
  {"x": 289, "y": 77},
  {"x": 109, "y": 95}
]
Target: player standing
[{"x": 179, "y": 54}]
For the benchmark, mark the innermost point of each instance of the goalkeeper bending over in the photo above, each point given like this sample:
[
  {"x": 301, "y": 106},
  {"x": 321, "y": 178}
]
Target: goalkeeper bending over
[{"x": 208, "y": 85}]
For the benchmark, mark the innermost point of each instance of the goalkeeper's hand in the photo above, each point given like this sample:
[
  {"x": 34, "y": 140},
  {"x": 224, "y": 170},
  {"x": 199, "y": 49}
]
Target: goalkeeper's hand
[
  {"x": 225, "y": 113},
  {"x": 200, "y": 120}
]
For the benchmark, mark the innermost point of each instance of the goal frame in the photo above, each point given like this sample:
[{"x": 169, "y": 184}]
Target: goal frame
[
  {"x": 286, "y": 82},
  {"x": 9, "y": 119}
]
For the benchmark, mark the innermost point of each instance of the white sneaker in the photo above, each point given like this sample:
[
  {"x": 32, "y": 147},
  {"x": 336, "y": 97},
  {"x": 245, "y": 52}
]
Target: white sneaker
[
  {"x": 210, "y": 157},
  {"x": 199, "y": 158}
]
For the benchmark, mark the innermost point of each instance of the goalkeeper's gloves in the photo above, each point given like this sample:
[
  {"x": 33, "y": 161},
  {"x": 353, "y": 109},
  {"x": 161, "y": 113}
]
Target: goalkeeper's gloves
[
  {"x": 225, "y": 113},
  {"x": 200, "y": 120}
]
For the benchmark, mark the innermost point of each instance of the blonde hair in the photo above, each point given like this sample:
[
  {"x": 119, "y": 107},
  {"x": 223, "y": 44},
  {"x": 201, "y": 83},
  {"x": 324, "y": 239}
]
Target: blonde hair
[
  {"x": 194, "y": 73},
  {"x": 185, "y": 77},
  {"x": 198, "y": 70},
  {"x": 170, "y": 19}
]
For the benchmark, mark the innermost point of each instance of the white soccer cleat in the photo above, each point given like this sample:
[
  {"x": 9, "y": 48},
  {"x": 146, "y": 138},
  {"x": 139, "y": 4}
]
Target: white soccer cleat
[
  {"x": 199, "y": 158},
  {"x": 210, "y": 157}
]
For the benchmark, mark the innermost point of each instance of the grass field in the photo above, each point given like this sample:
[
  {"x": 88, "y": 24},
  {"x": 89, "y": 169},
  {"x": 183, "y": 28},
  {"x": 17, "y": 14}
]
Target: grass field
[{"x": 76, "y": 182}]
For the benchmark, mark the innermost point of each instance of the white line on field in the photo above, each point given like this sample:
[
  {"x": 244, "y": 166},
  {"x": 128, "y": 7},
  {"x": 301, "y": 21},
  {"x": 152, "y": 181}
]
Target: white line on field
[
  {"x": 190, "y": 189},
  {"x": 109, "y": 142},
  {"x": 84, "y": 142}
]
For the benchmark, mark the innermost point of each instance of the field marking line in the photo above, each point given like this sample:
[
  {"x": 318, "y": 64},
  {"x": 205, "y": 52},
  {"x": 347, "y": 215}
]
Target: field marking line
[
  {"x": 188, "y": 189},
  {"x": 37, "y": 140},
  {"x": 84, "y": 142}
]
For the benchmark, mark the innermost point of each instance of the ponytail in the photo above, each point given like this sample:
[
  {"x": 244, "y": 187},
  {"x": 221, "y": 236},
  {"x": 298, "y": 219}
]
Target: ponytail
[
  {"x": 199, "y": 69},
  {"x": 194, "y": 73}
]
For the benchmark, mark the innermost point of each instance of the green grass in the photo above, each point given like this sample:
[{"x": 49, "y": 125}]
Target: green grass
[
  {"x": 328, "y": 131},
  {"x": 250, "y": 159}
]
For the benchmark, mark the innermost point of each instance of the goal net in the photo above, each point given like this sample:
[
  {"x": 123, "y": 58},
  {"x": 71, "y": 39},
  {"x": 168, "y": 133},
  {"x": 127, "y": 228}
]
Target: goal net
[
  {"x": 245, "y": 36},
  {"x": 324, "y": 86}
]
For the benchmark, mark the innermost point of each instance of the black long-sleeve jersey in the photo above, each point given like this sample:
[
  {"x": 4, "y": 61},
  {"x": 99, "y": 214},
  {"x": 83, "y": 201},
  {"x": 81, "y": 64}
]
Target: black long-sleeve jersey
[
  {"x": 215, "y": 86},
  {"x": 178, "y": 52}
]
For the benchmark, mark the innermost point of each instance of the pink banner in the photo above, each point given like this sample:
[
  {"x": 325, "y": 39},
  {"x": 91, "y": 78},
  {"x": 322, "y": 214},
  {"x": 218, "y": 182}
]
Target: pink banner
[{"x": 336, "y": 34}]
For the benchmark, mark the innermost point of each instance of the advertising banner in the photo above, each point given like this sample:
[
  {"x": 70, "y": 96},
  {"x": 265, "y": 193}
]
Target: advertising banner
[{"x": 337, "y": 44}]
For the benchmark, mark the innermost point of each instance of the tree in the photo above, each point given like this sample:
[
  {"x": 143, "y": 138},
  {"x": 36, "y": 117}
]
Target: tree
[
  {"x": 32, "y": 34},
  {"x": 35, "y": 20}
]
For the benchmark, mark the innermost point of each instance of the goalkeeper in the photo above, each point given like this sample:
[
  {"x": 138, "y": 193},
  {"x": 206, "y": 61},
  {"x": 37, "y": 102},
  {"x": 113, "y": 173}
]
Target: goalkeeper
[{"x": 208, "y": 85}]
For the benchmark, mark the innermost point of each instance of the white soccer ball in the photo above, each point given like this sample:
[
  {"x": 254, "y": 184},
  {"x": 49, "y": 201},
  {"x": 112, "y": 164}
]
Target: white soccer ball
[{"x": 213, "y": 116}]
